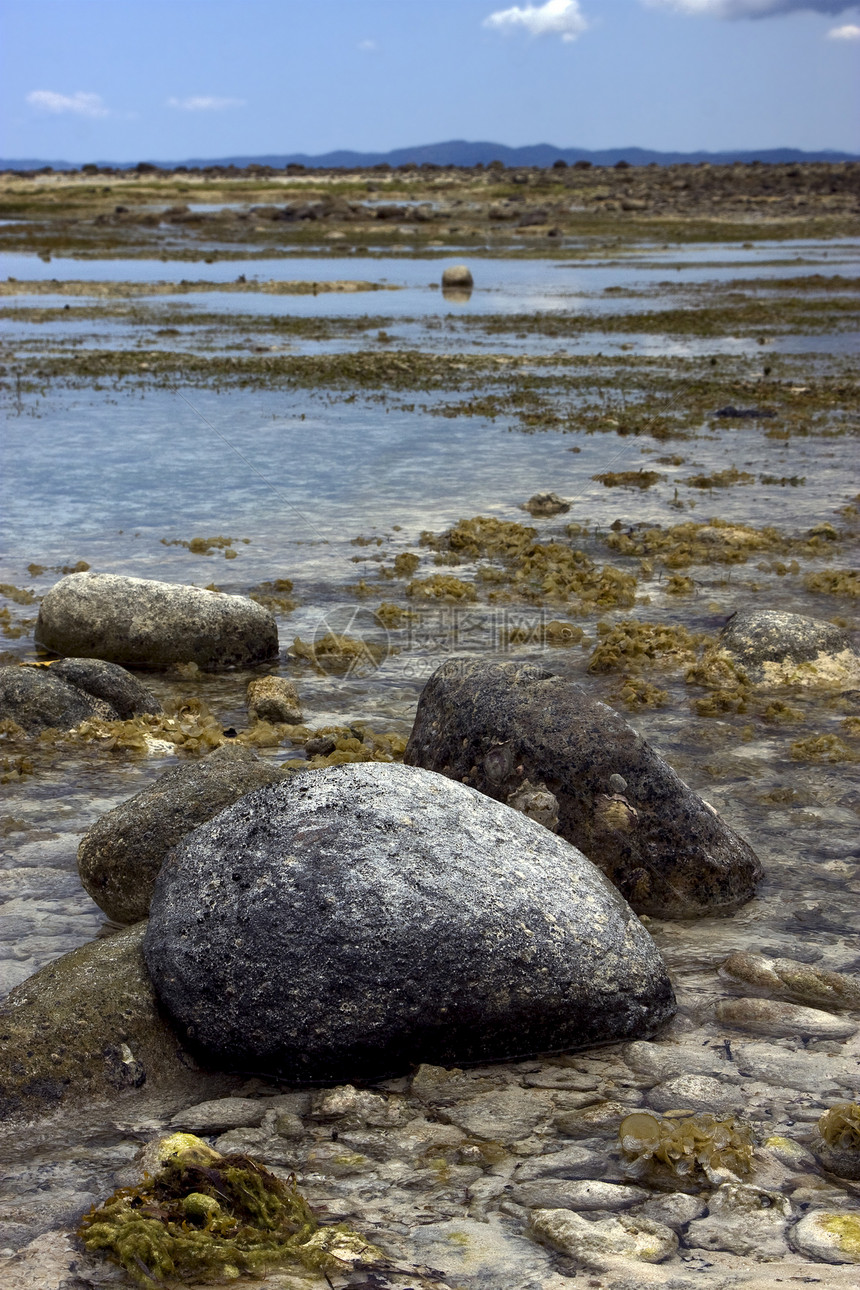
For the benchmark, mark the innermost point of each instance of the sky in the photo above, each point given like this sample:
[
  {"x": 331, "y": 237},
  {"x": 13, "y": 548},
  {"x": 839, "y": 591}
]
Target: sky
[{"x": 161, "y": 80}]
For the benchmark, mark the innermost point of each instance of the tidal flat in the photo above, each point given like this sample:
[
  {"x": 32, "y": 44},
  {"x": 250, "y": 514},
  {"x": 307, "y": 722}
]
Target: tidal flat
[{"x": 671, "y": 351}]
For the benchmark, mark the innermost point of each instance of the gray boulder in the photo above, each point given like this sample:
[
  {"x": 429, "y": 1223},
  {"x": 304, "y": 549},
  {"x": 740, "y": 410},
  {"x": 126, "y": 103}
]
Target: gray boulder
[
  {"x": 153, "y": 624},
  {"x": 71, "y": 691},
  {"x": 776, "y": 648},
  {"x": 120, "y": 856},
  {"x": 362, "y": 919},
  {"x": 493, "y": 725},
  {"x": 87, "y": 1029}
]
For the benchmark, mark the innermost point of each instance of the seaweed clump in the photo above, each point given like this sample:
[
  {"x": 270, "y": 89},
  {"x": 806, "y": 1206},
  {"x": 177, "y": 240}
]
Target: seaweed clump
[
  {"x": 839, "y": 1126},
  {"x": 340, "y": 655},
  {"x": 629, "y": 478},
  {"x": 834, "y": 582},
  {"x": 716, "y": 542},
  {"x": 822, "y": 748},
  {"x": 696, "y": 1151},
  {"x": 441, "y": 586},
  {"x": 207, "y": 1215},
  {"x": 630, "y": 644}
]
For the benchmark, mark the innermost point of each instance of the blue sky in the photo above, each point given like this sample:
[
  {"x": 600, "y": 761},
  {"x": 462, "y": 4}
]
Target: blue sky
[{"x": 129, "y": 80}]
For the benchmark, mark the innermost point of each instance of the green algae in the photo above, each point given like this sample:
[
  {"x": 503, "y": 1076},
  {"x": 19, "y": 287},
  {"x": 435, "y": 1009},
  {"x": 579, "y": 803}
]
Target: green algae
[
  {"x": 635, "y": 692},
  {"x": 715, "y": 541},
  {"x": 556, "y": 633},
  {"x": 442, "y": 586},
  {"x": 686, "y": 1151},
  {"x": 340, "y": 654},
  {"x": 217, "y": 1217}
]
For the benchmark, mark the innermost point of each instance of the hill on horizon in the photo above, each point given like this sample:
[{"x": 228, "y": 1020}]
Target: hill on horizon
[{"x": 460, "y": 152}]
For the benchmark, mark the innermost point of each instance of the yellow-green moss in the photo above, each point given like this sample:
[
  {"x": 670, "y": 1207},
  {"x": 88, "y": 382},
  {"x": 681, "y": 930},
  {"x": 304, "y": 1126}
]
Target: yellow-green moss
[
  {"x": 776, "y": 710},
  {"x": 846, "y": 1229},
  {"x": 715, "y": 542},
  {"x": 20, "y": 595},
  {"x": 405, "y": 564},
  {"x": 721, "y": 478},
  {"x": 274, "y": 595},
  {"x": 686, "y": 1149},
  {"x": 339, "y": 654},
  {"x": 555, "y": 633},
  {"x": 635, "y": 692},
  {"x": 728, "y": 683},
  {"x": 217, "y": 1219},
  {"x": 391, "y": 615},
  {"x": 482, "y": 536}
]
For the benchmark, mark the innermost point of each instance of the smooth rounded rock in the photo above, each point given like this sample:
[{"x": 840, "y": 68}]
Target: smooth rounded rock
[
  {"x": 833, "y": 1236},
  {"x": 493, "y": 725},
  {"x": 744, "y": 1220},
  {"x": 593, "y": 1242},
  {"x": 563, "y": 1193},
  {"x": 777, "y": 648},
  {"x": 127, "y": 696},
  {"x": 458, "y": 275},
  {"x": 362, "y": 919},
  {"x": 36, "y": 700},
  {"x": 121, "y": 854},
  {"x": 782, "y": 1020},
  {"x": 153, "y": 624},
  {"x": 696, "y": 1093}
]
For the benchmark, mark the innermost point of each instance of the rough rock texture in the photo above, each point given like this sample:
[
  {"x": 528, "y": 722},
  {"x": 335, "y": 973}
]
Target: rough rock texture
[
  {"x": 153, "y": 624},
  {"x": 543, "y": 505},
  {"x": 120, "y": 856},
  {"x": 128, "y": 696},
  {"x": 491, "y": 725},
  {"x": 776, "y": 648},
  {"x": 592, "y": 1242},
  {"x": 833, "y": 1237},
  {"x": 71, "y": 691},
  {"x": 274, "y": 699},
  {"x": 88, "y": 1028},
  {"x": 794, "y": 981},
  {"x": 457, "y": 275},
  {"x": 356, "y": 921},
  {"x": 744, "y": 1220}
]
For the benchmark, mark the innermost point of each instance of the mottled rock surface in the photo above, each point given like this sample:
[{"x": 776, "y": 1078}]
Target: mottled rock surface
[
  {"x": 88, "y": 1028},
  {"x": 274, "y": 699},
  {"x": 776, "y": 648},
  {"x": 120, "y": 856},
  {"x": 153, "y": 624},
  {"x": 71, "y": 691},
  {"x": 833, "y": 1237},
  {"x": 362, "y": 919},
  {"x": 492, "y": 725}
]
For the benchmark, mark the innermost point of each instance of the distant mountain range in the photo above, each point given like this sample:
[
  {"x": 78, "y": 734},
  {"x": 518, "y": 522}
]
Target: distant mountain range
[{"x": 459, "y": 152}]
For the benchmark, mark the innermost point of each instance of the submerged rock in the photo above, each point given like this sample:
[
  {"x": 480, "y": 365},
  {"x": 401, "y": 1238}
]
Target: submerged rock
[
  {"x": 797, "y": 982},
  {"x": 87, "y": 1027},
  {"x": 69, "y": 692},
  {"x": 783, "y": 1020},
  {"x": 493, "y": 725},
  {"x": 833, "y": 1236},
  {"x": 366, "y": 918},
  {"x": 593, "y": 1242},
  {"x": 777, "y": 649},
  {"x": 120, "y": 856},
  {"x": 153, "y": 624}
]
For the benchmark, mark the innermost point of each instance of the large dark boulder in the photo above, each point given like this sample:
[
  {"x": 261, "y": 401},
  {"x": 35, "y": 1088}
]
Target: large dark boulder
[
  {"x": 120, "y": 856},
  {"x": 493, "y": 725},
  {"x": 153, "y": 624},
  {"x": 70, "y": 691},
  {"x": 359, "y": 920}
]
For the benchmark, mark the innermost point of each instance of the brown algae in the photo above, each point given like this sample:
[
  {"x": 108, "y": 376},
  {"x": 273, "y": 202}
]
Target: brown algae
[
  {"x": 631, "y": 643},
  {"x": 823, "y": 748},
  {"x": 218, "y": 1217},
  {"x": 839, "y": 1126},
  {"x": 690, "y": 1151}
]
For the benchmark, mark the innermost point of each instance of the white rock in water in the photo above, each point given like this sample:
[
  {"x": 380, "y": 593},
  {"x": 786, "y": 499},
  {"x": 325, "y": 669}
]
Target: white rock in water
[
  {"x": 830, "y": 1235},
  {"x": 563, "y": 1193},
  {"x": 607, "y": 1238}
]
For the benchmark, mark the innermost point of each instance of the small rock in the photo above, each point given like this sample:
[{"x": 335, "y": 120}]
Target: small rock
[
  {"x": 543, "y": 505},
  {"x": 121, "y": 854},
  {"x": 828, "y": 1235},
  {"x": 506, "y": 1115},
  {"x": 664, "y": 1061},
  {"x": 808, "y": 1072},
  {"x": 798, "y": 982},
  {"x": 776, "y": 649},
  {"x": 274, "y": 699},
  {"x": 593, "y": 1242},
  {"x": 493, "y": 725},
  {"x": 580, "y": 1163},
  {"x": 599, "y": 1118},
  {"x": 440, "y": 926},
  {"x": 537, "y": 802},
  {"x": 321, "y": 747},
  {"x": 696, "y": 1093},
  {"x": 153, "y": 624},
  {"x": 675, "y": 1210},
  {"x": 440, "y": 1087},
  {"x": 584, "y": 1195},
  {"x": 221, "y": 1114},
  {"x": 743, "y": 1220},
  {"x": 769, "y": 1017},
  {"x": 790, "y": 1154},
  {"x": 458, "y": 275}
]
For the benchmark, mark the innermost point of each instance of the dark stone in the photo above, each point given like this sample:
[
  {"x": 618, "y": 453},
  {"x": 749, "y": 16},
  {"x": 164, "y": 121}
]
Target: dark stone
[
  {"x": 759, "y": 636},
  {"x": 120, "y": 856},
  {"x": 37, "y": 700},
  {"x": 492, "y": 725},
  {"x": 128, "y": 696},
  {"x": 359, "y": 920}
]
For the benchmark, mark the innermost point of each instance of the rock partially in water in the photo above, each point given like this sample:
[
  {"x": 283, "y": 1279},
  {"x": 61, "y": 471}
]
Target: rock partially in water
[
  {"x": 71, "y": 691},
  {"x": 776, "y": 649},
  {"x": 153, "y": 624},
  {"x": 458, "y": 275},
  {"x": 543, "y": 505},
  {"x": 366, "y": 918},
  {"x": 120, "y": 856},
  {"x": 493, "y": 725},
  {"x": 274, "y": 699},
  {"x": 87, "y": 1028}
]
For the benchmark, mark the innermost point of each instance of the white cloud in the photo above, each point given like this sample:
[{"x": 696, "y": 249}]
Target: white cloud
[
  {"x": 849, "y": 32},
  {"x": 367, "y": 46},
  {"x": 204, "y": 103},
  {"x": 555, "y": 18},
  {"x": 79, "y": 104},
  {"x": 749, "y": 8}
]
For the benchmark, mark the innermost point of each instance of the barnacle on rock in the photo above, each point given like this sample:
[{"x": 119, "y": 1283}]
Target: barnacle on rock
[
  {"x": 217, "y": 1217},
  {"x": 696, "y": 1151}
]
